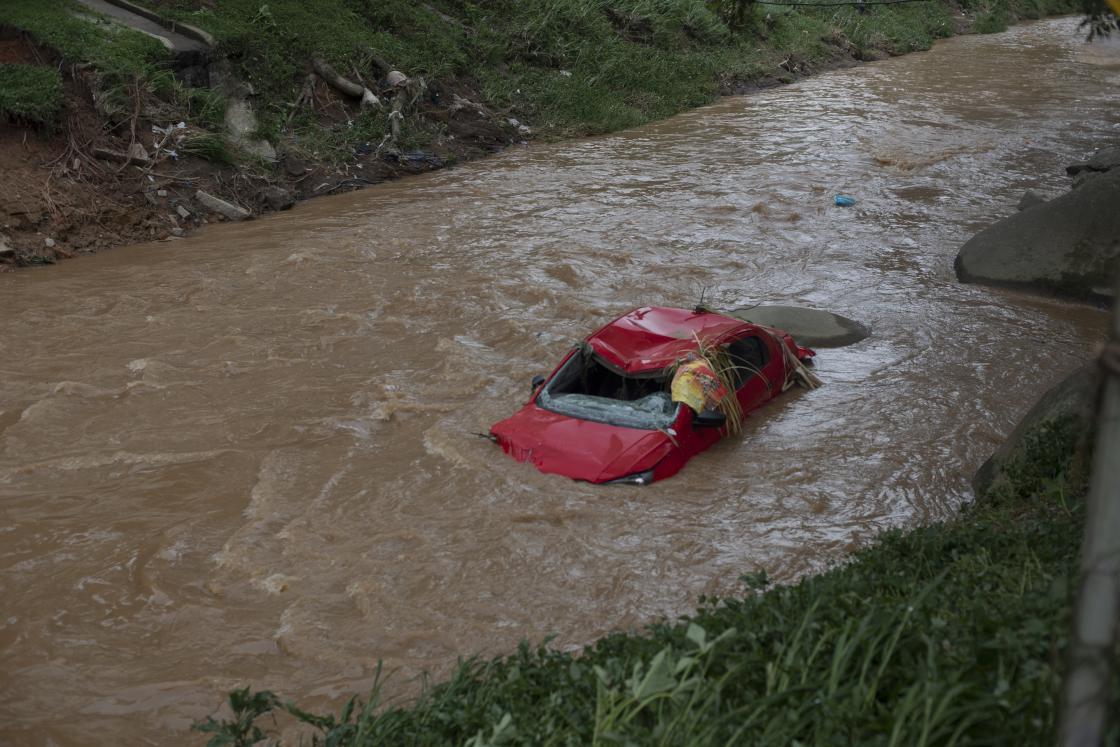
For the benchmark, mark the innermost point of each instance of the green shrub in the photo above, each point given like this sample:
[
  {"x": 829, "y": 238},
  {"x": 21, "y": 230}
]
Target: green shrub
[
  {"x": 208, "y": 145},
  {"x": 991, "y": 22}
]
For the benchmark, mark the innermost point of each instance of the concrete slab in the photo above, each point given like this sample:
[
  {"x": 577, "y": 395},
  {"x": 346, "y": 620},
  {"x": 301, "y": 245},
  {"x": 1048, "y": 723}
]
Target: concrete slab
[{"x": 812, "y": 327}]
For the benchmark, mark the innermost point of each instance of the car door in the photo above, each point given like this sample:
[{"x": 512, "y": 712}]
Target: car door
[{"x": 751, "y": 355}]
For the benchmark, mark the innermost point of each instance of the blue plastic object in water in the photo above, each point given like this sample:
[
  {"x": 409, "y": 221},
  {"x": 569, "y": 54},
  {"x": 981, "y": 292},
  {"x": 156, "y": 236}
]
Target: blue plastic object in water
[{"x": 845, "y": 201}]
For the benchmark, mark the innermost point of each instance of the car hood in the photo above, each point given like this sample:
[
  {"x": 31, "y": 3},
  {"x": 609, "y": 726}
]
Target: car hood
[{"x": 580, "y": 449}]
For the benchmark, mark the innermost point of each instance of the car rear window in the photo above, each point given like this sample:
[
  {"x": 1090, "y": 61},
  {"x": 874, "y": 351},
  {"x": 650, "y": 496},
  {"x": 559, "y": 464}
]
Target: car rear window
[{"x": 585, "y": 389}]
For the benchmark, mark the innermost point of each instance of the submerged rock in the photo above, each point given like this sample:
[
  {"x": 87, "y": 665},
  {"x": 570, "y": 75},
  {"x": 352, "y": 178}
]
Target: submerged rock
[
  {"x": 277, "y": 198},
  {"x": 1104, "y": 159},
  {"x": 1030, "y": 198},
  {"x": 1068, "y": 246},
  {"x": 1072, "y": 397},
  {"x": 812, "y": 327}
]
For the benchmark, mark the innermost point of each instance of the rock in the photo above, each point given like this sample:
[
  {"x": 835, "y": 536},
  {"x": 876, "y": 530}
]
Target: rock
[
  {"x": 1073, "y": 397},
  {"x": 1069, "y": 246},
  {"x": 6, "y": 249},
  {"x": 240, "y": 120},
  {"x": 1104, "y": 159},
  {"x": 294, "y": 166},
  {"x": 137, "y": 153},
  {"x": 277, "y": 198},
  {"x": 161, "y": 193},
  {"x": 241, "y": 123},
  {"x": 1029, "y": 199},
  {"x": 220, "y": 206},
  {"x": 810, "y": 327},
  {"x": 418, "y": 160},
  {"x": 183, "y": 212},
  {"x": 1083, "y": 177},
  {"x": 176, "y": 231},
  {"x": 49, "y": 243},
  {"x": 396, "y": 78},
  {"x": 137, "y": 156}
]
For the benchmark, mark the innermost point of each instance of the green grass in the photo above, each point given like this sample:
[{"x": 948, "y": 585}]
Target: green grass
[
  {"x": 567, "y": 67},
  {"x": 30, "y": 94},
  {"x": 208, "y": 145},
  {"x": 128, "y": 64},
  {"x": 948, "y": 634},
  {"x": 115, "y": 51}
]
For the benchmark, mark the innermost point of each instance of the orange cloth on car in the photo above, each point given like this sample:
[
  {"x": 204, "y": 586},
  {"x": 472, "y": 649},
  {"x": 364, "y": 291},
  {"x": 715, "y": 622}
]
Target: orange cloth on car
[{"x": 698, "y": 386}]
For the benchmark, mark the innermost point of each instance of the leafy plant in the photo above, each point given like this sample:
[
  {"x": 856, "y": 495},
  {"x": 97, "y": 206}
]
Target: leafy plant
[{"x": 208, "y": 145}]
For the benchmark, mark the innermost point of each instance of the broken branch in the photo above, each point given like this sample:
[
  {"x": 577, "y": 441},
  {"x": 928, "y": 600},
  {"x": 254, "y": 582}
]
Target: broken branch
[{"x": 345, "y": 85}]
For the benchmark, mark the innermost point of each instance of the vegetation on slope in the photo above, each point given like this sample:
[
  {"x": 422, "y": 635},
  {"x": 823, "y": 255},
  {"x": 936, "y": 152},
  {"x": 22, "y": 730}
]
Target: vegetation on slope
[
  {"x": 568, "y": 67},
  {"x": 947, "y": 634},
  {"x": 128, "y": 64},
  {"x": 30, "y": 94}
]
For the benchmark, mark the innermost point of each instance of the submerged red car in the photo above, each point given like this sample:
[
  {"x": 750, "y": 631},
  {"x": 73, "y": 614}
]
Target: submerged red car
[{"x": 607, "y": 415}]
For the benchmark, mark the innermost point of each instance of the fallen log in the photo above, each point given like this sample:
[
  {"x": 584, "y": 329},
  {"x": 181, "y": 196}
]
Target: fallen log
[{"x": 345, "y": 85}]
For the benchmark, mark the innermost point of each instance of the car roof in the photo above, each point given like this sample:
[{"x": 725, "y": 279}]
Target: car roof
[{"x": 652, "y": 338}]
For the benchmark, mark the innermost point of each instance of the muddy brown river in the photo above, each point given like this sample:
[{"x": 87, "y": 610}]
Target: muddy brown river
[{"x": 247, "y": 457}]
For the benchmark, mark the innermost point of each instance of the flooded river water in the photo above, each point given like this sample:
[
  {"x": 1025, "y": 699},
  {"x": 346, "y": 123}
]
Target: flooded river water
[{"x": 247, "y": 457}]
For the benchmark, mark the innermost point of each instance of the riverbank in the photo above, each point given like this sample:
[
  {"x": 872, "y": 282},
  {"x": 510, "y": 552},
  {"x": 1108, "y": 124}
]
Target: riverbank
[
  {"x": 451, "y": 83},
  {"x": 949, "y": 633}
]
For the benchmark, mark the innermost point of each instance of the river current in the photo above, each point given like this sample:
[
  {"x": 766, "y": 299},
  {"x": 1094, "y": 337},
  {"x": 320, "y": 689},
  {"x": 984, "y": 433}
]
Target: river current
[{"x": 248, "y": 457}]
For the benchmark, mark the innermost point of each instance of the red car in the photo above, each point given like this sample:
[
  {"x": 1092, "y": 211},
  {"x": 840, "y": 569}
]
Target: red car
[{"x": 606, "y": 415}]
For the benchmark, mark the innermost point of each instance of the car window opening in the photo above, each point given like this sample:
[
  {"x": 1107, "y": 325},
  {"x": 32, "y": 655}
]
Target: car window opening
[
  {"x": 586, "y": 389},
  {"x": 747, "y": 355}
]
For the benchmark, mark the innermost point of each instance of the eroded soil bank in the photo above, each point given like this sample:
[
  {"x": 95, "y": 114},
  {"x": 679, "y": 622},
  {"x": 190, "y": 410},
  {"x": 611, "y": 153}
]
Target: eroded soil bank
[{"x": 246, "y": 456}]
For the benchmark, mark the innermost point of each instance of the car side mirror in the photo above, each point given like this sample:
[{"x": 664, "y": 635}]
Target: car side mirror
[
  {"x": 537, "y": 381},
  {"x": 710, "y": 419}
]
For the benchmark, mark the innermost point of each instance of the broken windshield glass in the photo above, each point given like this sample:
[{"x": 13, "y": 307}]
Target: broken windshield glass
[
  {"x": 653, "y": 412},
  {"x": 586, "y": 389}
]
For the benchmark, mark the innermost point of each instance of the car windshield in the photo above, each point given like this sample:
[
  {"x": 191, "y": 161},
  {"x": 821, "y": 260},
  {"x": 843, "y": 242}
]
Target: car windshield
[{"x": 586, "y": 389}]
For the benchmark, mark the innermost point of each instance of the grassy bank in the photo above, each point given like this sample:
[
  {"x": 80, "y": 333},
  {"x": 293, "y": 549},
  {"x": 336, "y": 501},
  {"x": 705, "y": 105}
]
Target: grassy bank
[
  {"x": 129, "y": 67},
  {"x": 947, "y": 634},
  {"x": 567, "y": 67},
  {"x": 30, "y": 94},
  {"x": 479, "y": 76}
]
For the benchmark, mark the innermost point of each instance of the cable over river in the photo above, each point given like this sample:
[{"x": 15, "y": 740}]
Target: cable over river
[{"x": 247, "y": 457}]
